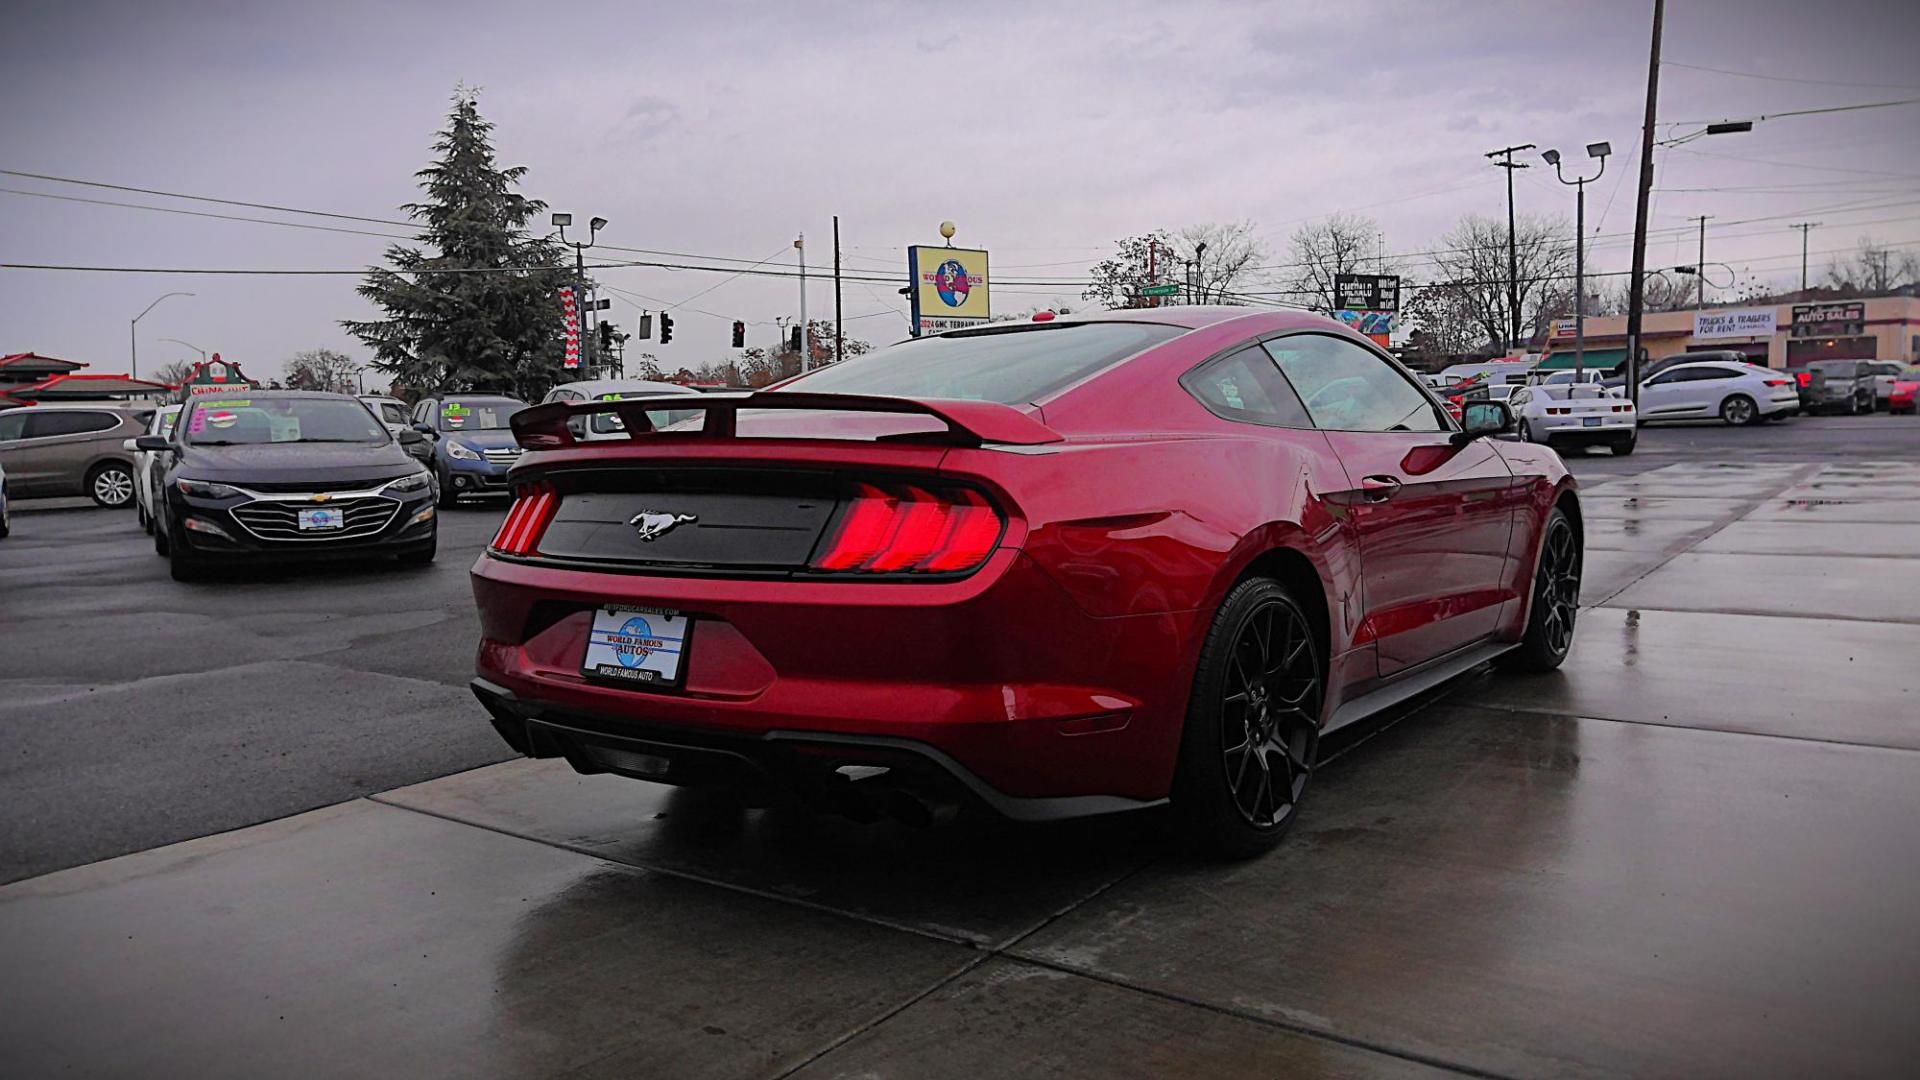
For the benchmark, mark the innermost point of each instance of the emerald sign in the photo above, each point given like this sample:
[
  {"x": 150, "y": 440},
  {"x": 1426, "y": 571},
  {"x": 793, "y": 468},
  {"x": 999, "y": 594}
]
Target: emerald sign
[{"x": 1160, "y": 290}]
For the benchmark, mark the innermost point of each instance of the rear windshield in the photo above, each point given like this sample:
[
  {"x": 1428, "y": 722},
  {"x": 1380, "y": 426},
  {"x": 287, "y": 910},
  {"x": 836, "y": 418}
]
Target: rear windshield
[
  {"x": 1834, "y": 367},
  {"x": 1565, "y": 391},
  {"x": 484, "y": 415},
  {"x": 1012, "y": 365},
  {"x": 609, "y": 423}
]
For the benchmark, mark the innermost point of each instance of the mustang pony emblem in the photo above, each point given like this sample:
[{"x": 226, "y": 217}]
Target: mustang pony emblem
[{"x": 653, "y": 526}]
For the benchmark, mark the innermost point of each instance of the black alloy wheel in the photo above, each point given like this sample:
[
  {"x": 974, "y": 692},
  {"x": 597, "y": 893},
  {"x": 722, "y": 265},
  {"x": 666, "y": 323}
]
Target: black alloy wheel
[
  {"x": 1269, "y": 718},
  {"x": 1252, "y": 734},
  {"x": 1556, "y": 600}
]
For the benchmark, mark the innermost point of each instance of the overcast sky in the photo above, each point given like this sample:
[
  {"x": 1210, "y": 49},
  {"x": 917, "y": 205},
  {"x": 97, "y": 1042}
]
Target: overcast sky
[{"x": 1046, "y": 131}]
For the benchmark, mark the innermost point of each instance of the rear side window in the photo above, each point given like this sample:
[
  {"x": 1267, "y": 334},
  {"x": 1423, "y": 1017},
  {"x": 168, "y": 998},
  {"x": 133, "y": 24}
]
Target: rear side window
[
  {"x": 1011, "y": 365},
  {"x": 12, "y": 425},
  {"x": 1246, "y": 386},
  {"x": 48, "y": 424},
  {"x": 1347, "y": 388}
]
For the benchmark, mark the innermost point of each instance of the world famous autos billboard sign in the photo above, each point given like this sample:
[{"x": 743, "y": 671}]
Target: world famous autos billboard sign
[{"x": 950, "y": 288}]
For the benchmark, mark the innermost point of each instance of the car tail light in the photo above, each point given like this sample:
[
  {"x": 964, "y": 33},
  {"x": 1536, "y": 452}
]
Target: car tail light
[
  {"x": 1559, "y": 412},
  {"x": 1778, "y": 382},
  {"x": 532, "y": 512},
  {"x": 1623, "y": 408},
  {"x": 1806, "y": 378},
  {"x": 908, "y": 528}
]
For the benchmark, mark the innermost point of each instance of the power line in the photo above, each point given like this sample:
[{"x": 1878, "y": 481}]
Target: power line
[
  {"x": 1784, "y": 78},
  {"x": 1804, "y": 112},
  {"x": 200, "y": 213}
]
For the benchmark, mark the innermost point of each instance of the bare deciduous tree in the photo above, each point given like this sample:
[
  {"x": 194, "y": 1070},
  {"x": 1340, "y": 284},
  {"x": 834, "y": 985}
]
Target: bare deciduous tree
[
  {"x": 1874, "y": 269},
  {"x": 1472, "y": 263},
  {"x": 321, "y": 369},
  {"x": 1336, "y": 244},
  {"x": 1217, "y": 260},
  {"x": 174, "y": 373}
]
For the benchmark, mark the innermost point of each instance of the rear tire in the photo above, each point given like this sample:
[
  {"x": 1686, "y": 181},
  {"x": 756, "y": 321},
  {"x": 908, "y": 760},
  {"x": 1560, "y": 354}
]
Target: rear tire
[
  {"x": 1738, "y": 409},
  {"x": 110, "y": 485},
  {"x": 1556, "y": 600},
  {"x": 444, "y": 497},
  {"x": 1526, "y": 432},
  {"x": 1261, "y": 683},
  {"x": 1624, "y": 446}
]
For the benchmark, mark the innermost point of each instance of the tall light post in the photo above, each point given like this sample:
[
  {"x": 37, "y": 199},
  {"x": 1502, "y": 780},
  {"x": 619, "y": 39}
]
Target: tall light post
[
  {"x": 806, "y": 330},
  {"x": 133, "y": 335},
  {"x": 1598, "y": 150},
  {"x": 190, "y": 345},
  {"x": 587, "y": 334}
]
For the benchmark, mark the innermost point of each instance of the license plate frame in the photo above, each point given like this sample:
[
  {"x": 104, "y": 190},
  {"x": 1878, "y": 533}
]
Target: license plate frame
[
  {"x": 1589, "y": 421},
  {"x": 651, "y": 655},
  {"x": 319, "y": 519}
]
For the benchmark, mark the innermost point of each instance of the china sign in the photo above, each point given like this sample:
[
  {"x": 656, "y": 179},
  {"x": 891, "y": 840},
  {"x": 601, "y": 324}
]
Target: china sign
[
  {"x": 1366, "y": 292},
  {"x": 1742, "y": 322},
  {"x": 570, "y": 322},
  {"x": 950, "y": 288}
]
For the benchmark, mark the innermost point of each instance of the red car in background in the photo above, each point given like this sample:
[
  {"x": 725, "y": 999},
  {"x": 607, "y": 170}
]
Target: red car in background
[
  {"x": 1906, "y": 387},
  {"x": 1044, "y": 569}
]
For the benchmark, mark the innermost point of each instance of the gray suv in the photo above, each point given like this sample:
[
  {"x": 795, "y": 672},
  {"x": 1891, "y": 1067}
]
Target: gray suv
[{"x": 72, "y": 449}]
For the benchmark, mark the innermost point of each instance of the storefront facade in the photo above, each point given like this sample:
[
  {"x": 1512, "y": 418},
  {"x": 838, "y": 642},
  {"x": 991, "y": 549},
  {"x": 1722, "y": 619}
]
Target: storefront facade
[{"x": 1776, "y": 335}]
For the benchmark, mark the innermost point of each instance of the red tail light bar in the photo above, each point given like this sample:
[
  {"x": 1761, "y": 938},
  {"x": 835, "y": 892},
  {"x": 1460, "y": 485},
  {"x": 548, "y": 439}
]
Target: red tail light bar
[
  {"x": 906, "y": 528},
  {"x": 532, "y": 512}
]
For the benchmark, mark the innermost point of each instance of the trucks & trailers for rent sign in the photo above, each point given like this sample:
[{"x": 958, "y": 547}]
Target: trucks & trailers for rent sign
[{"x": 1737, "y": 323}]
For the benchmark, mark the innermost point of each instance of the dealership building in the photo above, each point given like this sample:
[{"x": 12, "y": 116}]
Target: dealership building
[{"x": 1776, "y": 335}]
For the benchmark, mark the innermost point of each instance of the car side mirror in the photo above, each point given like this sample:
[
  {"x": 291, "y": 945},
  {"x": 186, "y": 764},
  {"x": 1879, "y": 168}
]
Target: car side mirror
[
  {"x": 423, "y": 428},
  {"x": 128, "y": 445},
  {"x": 1481, "y": 419},
  {"x": 154, "y": 443},
  {"x": 410, "y": 437}
]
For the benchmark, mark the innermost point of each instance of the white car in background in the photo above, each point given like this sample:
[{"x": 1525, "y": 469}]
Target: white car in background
[
  {"x": 1737, "y": 393},
  {"x": 607, "y": 425},
  {"x": 147, "y": 469},
  {"x": 1567, "y": 415},
  {"x": 391, "y": 411}
]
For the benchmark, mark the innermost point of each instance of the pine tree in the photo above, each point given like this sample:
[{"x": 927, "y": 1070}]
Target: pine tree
[{"x": 494, "y": 325}]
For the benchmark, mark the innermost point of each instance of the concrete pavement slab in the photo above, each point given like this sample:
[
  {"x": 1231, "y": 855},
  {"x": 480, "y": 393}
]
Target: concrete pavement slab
[
  {"x": 1644, "y": 534},
  {"x": 94, "y": 773},
  {"x": 368, "y": 940},
  {"x": 1816, "y": 538},
  {"x": 1011, "y": 1021},
  {"x": 1547, "y": 896},
  {"x": 1606, "y": 572},
  {"x": 982, "y": 884},
  {"x": 1834, "y": 586},
  {"x": 1904, "y": 511},
  {"x": 1846, "y": 681},
  {"x": 1661, "y": 507},
  {"x": 1874, "y": 490}
]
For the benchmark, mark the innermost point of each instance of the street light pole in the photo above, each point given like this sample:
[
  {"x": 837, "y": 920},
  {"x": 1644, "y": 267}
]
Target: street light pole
[
  {"x": 133, "y": 336},
  {"x": 806, "y": 335},
  {"x": 1594, "y": 150},
  {"x": 190, "y": 345}
]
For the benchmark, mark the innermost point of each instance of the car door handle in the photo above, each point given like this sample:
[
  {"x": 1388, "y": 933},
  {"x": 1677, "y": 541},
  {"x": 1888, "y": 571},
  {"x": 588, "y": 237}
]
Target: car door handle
[{"x": 1379, "y": 488}]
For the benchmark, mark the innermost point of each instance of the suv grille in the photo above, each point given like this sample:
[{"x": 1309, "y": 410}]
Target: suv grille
[
  {"x": 281, "y": 520},
  {"x": 505, "y": 455}
]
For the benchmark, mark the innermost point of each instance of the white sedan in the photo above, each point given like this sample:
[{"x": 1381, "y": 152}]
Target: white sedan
[
  {"x": 1736, "y": 393},
  {"x": 1566, "y": 414},
  {"x": 146, "y": 467}
]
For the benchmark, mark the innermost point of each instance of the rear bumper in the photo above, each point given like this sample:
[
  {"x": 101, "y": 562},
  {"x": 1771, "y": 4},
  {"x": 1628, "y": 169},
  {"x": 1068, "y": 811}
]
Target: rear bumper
[
  {"x": 999, "y": 679},
  {"x": 1569, "y": 431}
]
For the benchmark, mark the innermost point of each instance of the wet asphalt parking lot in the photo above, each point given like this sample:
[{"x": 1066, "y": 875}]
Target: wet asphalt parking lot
[{"x": 259, "y": 826}]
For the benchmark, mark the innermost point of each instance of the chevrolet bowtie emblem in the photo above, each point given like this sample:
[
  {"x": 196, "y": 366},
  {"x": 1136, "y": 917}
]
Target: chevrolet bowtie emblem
[
  {"x": 652, "y": 526},
  {"x": 321, "y": 498}
]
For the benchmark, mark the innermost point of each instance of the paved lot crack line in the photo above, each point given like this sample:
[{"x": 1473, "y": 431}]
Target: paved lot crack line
[
  {"x": 649, "y": 868},
  {"x": 1711, "y": 729},
  {"x": 1806, "y": 469}
]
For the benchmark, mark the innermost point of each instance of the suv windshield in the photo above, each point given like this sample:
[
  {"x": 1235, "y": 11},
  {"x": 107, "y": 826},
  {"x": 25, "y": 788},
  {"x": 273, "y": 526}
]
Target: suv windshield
[
  {"x": 1011, "y": 364},
  {"x": 240, "y": 421},
  {"x": 477, "y": 415}
]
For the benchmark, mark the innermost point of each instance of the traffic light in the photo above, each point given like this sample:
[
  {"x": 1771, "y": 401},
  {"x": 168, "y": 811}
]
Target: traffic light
[
  {"x": 645, "y": 330},
  {"x": 666, "y": 328},
  {"x": 739, "y": 334},
  {"x": 793, "y": 341},
  {"x": 606, "y": 336}
]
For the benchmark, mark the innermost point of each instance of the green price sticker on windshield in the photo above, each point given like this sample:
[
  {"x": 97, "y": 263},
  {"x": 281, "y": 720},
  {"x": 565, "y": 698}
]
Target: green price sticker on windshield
[
  {"x": 454, "y": 408},
  {"x": 225, "y": 404}
]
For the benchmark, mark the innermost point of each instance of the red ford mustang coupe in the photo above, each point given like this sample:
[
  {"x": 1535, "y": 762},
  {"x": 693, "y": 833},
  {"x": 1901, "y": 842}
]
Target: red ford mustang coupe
[{"x": 1045, "y": 569}]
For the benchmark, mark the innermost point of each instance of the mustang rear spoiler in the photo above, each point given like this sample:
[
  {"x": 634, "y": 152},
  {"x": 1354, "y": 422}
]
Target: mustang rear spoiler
[{"x": 969, "y": 423}]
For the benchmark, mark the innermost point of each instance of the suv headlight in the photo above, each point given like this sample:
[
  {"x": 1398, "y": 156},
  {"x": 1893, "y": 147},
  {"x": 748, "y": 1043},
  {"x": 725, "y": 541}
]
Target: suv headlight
[
  {"x": 205, "y": 489},
  {"x": 460, "y": 451},
  {"x": 411, "y": 482}
]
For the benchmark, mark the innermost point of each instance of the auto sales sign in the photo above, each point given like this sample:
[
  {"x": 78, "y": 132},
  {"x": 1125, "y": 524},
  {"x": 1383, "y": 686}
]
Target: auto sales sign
[{"x": 1740, "y": 322}]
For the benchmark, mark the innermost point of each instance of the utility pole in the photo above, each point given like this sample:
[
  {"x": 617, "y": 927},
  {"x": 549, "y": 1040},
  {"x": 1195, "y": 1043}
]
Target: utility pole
[
  {"x": 1513, "y": 248},
  {"x": 1636, "y": 285},
  {"x": 806, "y": 345},
  {"x": 1804, "y": 227},
  {"x": 839, "y": 335},
  {"x": 1153, "y": 268},
  {"x": 1700, "y": 268}
]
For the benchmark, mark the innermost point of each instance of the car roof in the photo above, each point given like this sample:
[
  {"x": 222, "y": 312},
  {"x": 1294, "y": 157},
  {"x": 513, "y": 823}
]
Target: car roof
[
  {"x": 55, "y": 406},
  {"x": 611, "y": 386},
  {"x": 476, "y": 397},
  {"x": 272, "y": 395}
]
